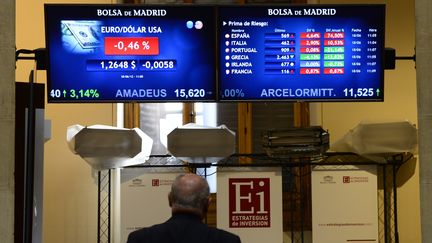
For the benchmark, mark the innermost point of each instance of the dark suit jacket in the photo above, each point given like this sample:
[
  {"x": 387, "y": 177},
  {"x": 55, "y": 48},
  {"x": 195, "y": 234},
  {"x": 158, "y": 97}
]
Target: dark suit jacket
[{"x": 182, "y": 228}]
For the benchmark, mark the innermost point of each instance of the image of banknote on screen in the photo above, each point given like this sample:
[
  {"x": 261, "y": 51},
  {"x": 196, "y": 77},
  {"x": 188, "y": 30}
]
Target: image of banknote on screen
[{"x": 81, "y": 36}]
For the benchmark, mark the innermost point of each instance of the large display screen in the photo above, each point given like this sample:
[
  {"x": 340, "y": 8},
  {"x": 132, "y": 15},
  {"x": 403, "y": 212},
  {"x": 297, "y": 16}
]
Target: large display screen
[
  {"x": 301, "y": 52},
  {"x": 121, "y": 53}
]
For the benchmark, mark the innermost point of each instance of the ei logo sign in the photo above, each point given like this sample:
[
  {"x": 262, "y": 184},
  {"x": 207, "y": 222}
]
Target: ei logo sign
[{"x": 249, "y": 202}]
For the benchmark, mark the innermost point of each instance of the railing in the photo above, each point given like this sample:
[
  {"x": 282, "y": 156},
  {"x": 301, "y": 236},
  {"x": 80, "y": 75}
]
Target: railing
[{"x": 296, "y": 172}]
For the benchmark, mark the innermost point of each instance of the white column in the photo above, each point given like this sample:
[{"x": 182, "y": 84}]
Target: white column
[
  {"x": 7, "y": 118},
  {"x": 423, "y": 9}
]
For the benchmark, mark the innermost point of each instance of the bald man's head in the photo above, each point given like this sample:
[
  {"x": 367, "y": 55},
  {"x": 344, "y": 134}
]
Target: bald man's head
[{"x": 189, "y": 192}]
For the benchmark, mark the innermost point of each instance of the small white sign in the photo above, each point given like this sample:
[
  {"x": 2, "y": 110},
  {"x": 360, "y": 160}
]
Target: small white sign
[
  {"x": 344, "y": 204},
  {"x": 144, "y": 199},
  {"x": 249, "y": 204}
]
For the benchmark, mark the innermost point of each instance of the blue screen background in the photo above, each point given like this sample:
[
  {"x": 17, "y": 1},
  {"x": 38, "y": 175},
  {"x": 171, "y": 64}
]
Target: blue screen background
[
  {"x": 250, "y": 86},
  {"x": 193, "y": 50}
]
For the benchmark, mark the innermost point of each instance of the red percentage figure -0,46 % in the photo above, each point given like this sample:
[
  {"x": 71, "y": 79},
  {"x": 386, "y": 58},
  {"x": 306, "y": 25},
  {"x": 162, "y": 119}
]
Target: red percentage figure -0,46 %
[{"x": 132, "y": 46}]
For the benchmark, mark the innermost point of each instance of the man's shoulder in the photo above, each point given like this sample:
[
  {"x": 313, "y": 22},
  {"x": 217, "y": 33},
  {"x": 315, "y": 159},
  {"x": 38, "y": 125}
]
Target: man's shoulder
[
  {"x": 143, "y": 232},
  {"x": 225, "y": 236},
  {"x": 174, "y": 227},
  {"x": 152, "y": 227}
]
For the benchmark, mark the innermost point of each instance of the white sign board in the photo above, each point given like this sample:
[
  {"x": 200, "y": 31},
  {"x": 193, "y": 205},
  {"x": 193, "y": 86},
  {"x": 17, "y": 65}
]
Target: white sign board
[
  {"x": 344, "y": 204},
  {"x": 144, "y": 199},
  {"x": 249, "y": 204}
]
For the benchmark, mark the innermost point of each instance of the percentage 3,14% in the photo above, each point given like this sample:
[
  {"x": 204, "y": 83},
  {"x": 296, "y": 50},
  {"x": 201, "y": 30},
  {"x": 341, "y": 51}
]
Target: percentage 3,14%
[
  {"x": 75, "y": 93},
  {"x": 233, "y": 93},
  {"x": 83, "y": 93}
]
